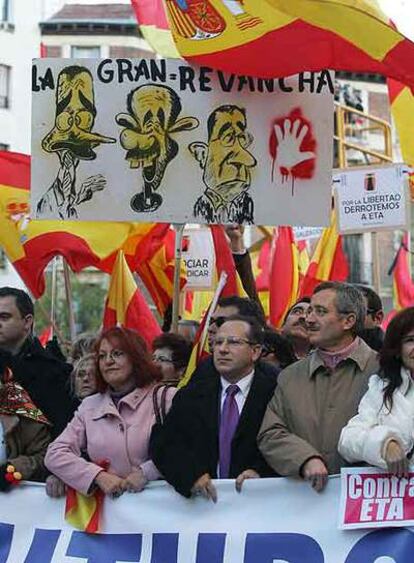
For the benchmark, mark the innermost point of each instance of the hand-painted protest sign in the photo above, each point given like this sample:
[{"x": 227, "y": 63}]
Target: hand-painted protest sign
[
  {"x": 199, "y": 258},
  {"x": 371, "y": 199},
  {"x": 287, "y": 521},
  {"x": 372, "y": 498},
  {"x": 159, "y": 140}
]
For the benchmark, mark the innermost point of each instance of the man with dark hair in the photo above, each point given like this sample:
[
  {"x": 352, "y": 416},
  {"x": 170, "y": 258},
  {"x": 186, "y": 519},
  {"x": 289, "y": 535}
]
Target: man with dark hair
[
  {"x": 372, "y": 332},
  {"x": 295, "y": 329},
  {"x": 317, "y": 395},
  {"x": 211, "y": 428},
  {"x": 227, "y": 307},
  {"x": 42, "y": 375}
]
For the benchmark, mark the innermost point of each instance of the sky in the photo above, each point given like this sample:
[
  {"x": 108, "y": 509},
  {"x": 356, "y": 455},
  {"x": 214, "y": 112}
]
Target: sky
[{"x": 402, "y": 13}]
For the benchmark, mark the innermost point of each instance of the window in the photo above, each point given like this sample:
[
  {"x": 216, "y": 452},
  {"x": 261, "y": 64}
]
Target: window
[
  {"x": 6, "y": 10},
  {"x": 5, "y": 86},
  {"x": 85, "y": 52}
]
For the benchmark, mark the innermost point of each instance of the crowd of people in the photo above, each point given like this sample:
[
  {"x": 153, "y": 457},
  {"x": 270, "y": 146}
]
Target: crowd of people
[{"x": 327, "y": 390}]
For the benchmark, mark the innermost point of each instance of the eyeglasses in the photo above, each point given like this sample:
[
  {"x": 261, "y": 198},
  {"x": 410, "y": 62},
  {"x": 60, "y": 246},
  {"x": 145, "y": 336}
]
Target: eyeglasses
[
  {"x": 114, "y": 355},
  {"x": 162, "y": 359},
  {"x": 232, "y": 341}
]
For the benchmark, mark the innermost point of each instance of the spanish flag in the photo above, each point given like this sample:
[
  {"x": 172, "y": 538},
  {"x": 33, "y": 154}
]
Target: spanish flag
[
  {"x": 284, "y": 275},
  {"x": 125, "y": 304},
  {"x": 402, "y": 108},
  {"x": 403, "y": 285},
  {"x": 328, "y": 262},
  {"x": 84, "y": 512},
  {"x": 299, "y": 35},
  {"x": 153, "y": 25},
  {"x": 225, "y": 263}
]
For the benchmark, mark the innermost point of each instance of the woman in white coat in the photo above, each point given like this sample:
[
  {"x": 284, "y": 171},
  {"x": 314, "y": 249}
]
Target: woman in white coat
[{"x": 382, "y": 433}]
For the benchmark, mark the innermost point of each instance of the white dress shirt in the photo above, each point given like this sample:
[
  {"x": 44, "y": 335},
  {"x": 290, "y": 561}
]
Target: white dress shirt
[{"x": 244, "y": 386}]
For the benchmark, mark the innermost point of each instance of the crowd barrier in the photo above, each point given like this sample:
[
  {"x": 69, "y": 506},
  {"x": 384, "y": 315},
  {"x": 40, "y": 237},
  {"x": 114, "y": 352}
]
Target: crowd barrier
[{"x": 271, "y": 521}]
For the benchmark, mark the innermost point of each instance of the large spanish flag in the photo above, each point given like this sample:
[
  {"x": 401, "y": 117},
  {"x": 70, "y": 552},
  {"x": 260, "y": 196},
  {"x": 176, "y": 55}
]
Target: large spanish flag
[
  {"x": 297, "y": 35},
  {"x": 126, "y": 306},
  {"x": 284, "y": 275},
  {"x": 328, "y": 262},
  {"x": 153, "y": 25}
]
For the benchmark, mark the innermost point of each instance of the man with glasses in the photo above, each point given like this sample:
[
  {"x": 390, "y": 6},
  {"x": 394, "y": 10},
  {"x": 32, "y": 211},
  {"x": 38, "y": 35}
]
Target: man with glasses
[
  {"x": 316, "y": 396},
  {"x": 42, "y": 375},
  {"x": 226, "y": 165},
  {"x": 226, "y": 307},
  {"x": 211, "y": 429}
]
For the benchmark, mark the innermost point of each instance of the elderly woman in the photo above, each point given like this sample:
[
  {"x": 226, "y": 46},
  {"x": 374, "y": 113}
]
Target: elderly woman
[
  {"x": 84, "y": 377},
  {"x": 24, "y": 434},
  {"x": 382, "y": 433},
  {"x": 171, "y": 353},
  {"x": 106, "y": 443}
]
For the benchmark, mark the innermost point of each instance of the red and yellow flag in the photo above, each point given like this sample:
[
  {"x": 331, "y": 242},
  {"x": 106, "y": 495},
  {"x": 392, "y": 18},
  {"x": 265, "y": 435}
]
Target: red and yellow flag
[
  {"x": 284, "y": 275},
  {"x": 84, "y": 512},
  {"x": 153, "y": 24},
  {"x": 403, "y": 285},
  {"x": 126, "y": 305},
  {"x": 328, "y": 262},
  {"x": 301, "y": 35}
]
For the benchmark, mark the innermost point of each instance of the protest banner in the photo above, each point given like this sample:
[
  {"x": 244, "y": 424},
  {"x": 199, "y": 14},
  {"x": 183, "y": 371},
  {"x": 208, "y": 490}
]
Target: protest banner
[
  {"x": 307, "y": 233},
  {"x": 159, "y": 140},
  {"x": 271, "y": 520},
  {"x": 372, "y": 198},
  {"x": 199, "y": 258},
  {"x": 372, "y": 498}
]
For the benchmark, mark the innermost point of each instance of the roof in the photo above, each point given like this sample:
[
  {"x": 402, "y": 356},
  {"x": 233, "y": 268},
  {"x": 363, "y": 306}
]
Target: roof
[{"x": 94, "y": 12}]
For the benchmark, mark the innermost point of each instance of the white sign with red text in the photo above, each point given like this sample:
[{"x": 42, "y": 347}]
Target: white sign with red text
[{"x": 372, "y": 498}]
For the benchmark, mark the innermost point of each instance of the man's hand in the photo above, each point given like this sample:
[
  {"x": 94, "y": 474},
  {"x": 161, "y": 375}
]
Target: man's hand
[
  {"x": 235, "y": 236},
  {"x": 110, "y": 484},
  {"x": 246, "y": 474},
  {"x": 136, "y": 481},
  {"x": 396, "y": 460},
  {"x": 204, "y": 487},
  {"x": 316, "y": 473},
  {"x": 55, "y": 488}
]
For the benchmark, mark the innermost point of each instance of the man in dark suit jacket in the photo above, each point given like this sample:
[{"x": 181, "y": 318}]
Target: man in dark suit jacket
[{"x": 212, "y": 427}]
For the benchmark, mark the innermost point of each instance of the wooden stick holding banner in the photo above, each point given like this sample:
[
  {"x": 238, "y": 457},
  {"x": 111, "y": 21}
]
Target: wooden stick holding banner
[
  {"x": 68, "y": 292},
  {"x": 53, "y": 296},
  {"x": 179, "y": 229}
]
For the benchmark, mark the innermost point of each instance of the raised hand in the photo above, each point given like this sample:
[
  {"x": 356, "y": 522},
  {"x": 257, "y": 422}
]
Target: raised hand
[{"x": 289, "y": 138}]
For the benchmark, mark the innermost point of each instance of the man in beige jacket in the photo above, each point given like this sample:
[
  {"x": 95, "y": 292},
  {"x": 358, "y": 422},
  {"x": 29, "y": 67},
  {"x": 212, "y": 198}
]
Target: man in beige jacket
[{"x": 317, "y": 395}]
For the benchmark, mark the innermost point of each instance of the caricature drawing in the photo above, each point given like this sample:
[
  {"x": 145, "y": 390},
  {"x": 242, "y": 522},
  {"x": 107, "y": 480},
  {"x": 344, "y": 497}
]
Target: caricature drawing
[
  {"x": 226, "y": 165},
  {"x": 147, "y": 137},
  {"x": 73, "y": 140}
]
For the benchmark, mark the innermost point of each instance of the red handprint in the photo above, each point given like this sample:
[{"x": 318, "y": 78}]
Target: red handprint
[{"x": 292, "y": 147}]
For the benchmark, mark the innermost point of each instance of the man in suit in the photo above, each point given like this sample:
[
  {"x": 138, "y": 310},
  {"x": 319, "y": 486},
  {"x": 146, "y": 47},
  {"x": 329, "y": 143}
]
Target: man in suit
[{"x": 210, "y": 431}]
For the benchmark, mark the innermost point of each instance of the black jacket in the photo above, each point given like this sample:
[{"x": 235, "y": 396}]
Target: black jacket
[
  {"x": 186, "y": 446},
  {"x": 46, "y": 379},
  {"x": 206, "y": 370}
]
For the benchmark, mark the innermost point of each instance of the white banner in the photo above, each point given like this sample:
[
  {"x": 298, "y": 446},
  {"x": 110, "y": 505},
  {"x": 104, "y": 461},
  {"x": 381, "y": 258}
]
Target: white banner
[
  {"x": 271, "y": 521},
  {"x": 372, "y": 199},
  {"x": 199, "y": 258},
  {"x": 158, "y": 140}
]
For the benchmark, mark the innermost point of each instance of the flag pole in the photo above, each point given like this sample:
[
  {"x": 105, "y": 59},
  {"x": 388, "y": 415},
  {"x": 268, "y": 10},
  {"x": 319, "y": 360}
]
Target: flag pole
[
  {"x": 68, "y": 292},
  {"x": 179, "y": 229},
  {"x": 53, "y": 296}
]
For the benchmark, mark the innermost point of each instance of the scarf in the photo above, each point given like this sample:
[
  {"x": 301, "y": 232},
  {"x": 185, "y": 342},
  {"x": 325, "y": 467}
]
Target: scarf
[{"x": 14, "y": 400}]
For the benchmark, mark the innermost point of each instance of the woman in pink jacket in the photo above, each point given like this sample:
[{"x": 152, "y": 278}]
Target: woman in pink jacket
[{"x": 106, "y": 443}]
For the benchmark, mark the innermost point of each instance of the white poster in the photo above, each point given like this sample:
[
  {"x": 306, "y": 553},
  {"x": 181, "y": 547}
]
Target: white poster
[
  {"x": 159, "y": 140},
  {"x": 371, "y": 199},
  {"x": 270, "y": 521},
  {"x": 199, "y": 258}
]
